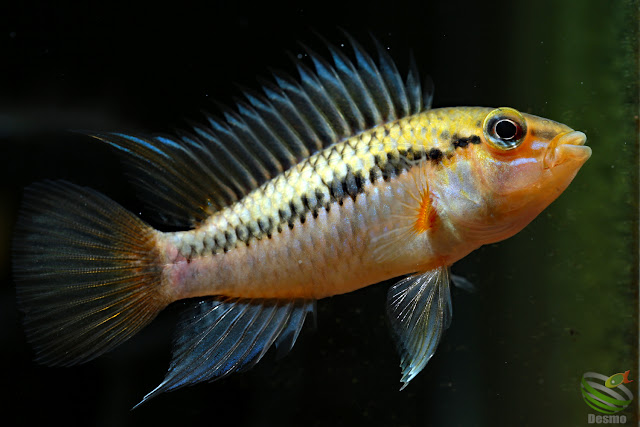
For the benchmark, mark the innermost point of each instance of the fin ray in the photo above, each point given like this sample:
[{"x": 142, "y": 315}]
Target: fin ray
[
  {"x": 220, "y": 336},
  {"x": 419, "y": 309},
  {"x": 184, "y": 180},
  {"x": 87, "y": 272}
]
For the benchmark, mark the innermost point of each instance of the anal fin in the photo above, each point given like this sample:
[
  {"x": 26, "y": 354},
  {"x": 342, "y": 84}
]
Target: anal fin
[
  {"x": 419, "y": 309},
  {"x": 220, "y": 336}
]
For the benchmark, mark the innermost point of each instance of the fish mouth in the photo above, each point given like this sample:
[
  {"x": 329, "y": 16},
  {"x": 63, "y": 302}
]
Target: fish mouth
[{"x": 566, "y": 147}]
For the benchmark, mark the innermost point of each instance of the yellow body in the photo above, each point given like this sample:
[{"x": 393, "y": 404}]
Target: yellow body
[{"x": 429, "y": 209}]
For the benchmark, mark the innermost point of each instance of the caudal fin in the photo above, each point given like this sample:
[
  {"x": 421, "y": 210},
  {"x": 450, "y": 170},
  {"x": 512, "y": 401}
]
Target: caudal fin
[{"x": 87, "y": 271}]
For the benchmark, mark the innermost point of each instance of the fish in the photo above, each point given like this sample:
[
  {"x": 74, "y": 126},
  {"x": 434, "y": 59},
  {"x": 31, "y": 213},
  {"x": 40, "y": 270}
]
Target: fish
[
  {"x": 616, "y": 379},
  {"x": 313, "y": 186}
]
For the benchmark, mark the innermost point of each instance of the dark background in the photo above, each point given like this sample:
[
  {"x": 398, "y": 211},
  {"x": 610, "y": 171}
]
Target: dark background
[{"x": 554, "y": 302}]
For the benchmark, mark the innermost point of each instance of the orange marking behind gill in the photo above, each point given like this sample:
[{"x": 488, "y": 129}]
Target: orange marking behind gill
[{"x": 427, "y": 214}]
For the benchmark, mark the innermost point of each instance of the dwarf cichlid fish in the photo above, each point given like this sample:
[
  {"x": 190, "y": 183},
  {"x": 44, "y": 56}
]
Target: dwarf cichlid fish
[{"x": 318, "y": 186}]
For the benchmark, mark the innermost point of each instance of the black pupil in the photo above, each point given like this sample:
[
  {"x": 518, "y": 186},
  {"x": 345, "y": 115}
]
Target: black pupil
[{"x": 506, "y": 130}]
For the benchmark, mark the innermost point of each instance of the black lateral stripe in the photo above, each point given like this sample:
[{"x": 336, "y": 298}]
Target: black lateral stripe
[
  {"x": 434, "y": 155},
  {"x": 353, "y": 183},
  {"x": 349, "y": 186},
  {"x": 411, "y": 155},
  {"x": 265, "y": 225},
  {"x": 335, "y": 189},
  {"x": 462, "y": 142}
]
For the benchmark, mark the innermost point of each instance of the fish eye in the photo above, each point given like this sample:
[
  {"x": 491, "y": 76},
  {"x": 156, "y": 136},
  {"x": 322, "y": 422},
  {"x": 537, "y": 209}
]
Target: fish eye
[{"x": 505, "y": 128}]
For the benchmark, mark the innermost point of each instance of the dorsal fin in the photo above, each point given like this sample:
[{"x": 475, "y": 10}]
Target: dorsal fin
[{"x": 186, "y": 178}]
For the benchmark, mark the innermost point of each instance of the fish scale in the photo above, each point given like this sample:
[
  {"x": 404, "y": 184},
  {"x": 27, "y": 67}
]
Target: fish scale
[{"x": 280, "y": 202}]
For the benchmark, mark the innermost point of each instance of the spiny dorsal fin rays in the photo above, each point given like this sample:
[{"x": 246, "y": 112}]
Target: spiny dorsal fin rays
[
  {"x": 162, "y": 168},
  {"x": 337, "y": 92},
  {"x": 226, "y": 172},
  {"x": 301, "y": 100},
  {"x": 235, "y": 135},
  {"x": 394, "y": 83},
  {"x": 427, "y": 92},
  {"x": 238, "y": 171},
  {"x": 271, "y": 132},
  {"x": 356, "y": 87},
  {"x": 278, "y": 147},
  {"x": 414, "y": 91},
  {"x": 294, "y": 116},
  {"x": 324, "y": 103},
  {"x": 372, "y": 78},
  {"x": 277, "y": 124}
]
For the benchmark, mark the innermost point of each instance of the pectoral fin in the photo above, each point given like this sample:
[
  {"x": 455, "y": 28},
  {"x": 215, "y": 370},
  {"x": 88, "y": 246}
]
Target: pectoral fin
[{"x": 419, "y": 308}]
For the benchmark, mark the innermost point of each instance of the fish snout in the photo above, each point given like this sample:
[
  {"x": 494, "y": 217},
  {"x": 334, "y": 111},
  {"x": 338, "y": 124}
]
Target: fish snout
[{"x": 565, "y": 147}]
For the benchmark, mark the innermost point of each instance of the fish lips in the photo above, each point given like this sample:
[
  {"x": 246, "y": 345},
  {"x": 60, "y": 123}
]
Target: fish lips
[{"x": 567, "y": 147}]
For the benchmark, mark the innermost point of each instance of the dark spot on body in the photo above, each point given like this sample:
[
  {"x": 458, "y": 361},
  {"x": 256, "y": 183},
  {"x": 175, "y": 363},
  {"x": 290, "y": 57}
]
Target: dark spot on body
[
  {"x": 265, "y": 225},
  {"x": 305, "y": 202},
  {"x": 434, "y": 155},
  {"x": 284, "y": 215},
  {"x": 206, "y": 243},
  {"x": 416, "y": 155},
  {"x": 254, "y": 229},
  {"x": 349, "y": 185},
  {"x": 389, "y": 172},
  {"x": 378, "y": 160},
  {"x": 359, "y": 178},
  {"x": 463, "y": 142},
  {"x": 292, "y": 208},
  {"x": 374, "y": 174},
  {"x": 242, "y": 233},
  {"x": 335, "y": 189}
]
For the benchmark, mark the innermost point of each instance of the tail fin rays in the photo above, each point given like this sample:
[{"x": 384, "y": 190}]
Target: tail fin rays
[{"x": 87, "y": 270}]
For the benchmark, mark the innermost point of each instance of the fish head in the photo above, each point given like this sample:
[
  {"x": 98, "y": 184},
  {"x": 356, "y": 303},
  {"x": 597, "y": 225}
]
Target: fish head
[{"x": 524, "y": 163}]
